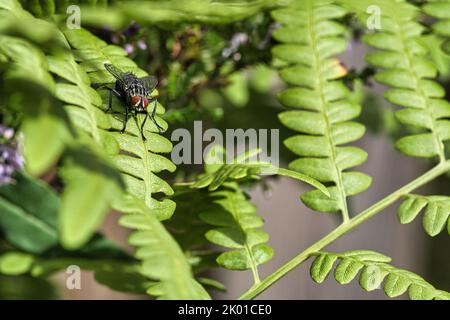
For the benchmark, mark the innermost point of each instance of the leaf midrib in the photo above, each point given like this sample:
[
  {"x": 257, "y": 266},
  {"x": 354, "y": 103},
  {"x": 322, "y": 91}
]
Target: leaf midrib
[
  {"x": 19, "y": 211},
  {"x": 177, "y": 269},
  {"x": 253, "y": 264},
  {"x": 339, "y": 181},
  {"x": 417, "y": 79}
]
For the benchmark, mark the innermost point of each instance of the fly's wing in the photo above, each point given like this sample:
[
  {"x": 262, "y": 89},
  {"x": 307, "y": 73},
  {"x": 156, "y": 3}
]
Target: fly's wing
[
  {"x": 114, "y": 71},
  {"x": 149, "y": 82}
]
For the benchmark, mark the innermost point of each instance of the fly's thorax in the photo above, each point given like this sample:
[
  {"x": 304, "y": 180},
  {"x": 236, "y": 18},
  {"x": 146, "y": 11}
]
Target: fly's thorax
[{"x": 134, "y": 87}]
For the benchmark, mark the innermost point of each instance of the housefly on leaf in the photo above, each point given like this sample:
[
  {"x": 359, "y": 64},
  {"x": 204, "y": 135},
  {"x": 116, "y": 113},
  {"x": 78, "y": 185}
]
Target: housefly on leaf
[{"x": 134, "y": 93}]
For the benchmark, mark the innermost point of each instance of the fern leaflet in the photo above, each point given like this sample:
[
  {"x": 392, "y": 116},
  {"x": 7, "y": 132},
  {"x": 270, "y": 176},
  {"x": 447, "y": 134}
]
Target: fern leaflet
[
  {"x": 374, "y": 269},
  {"x": 243, "y": 168},
  {"x": 436, "y": 216}
]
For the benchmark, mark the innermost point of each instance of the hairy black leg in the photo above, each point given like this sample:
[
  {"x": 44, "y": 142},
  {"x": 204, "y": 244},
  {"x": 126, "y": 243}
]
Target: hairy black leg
[
  {"x": 111, "y": 91},
  {"x": 142, "y": 127},
  {"x": 125, "y": 121},
  {"x": 160, "y": 129},
  {"x": 109, "y": 101}
]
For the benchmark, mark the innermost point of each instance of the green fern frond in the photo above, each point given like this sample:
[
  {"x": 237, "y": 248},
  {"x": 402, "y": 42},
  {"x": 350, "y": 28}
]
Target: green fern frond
[
  {"x": 189, "y": 231},
  {"x": 375, "y": 269},
  {"x": 235, "y": 221},
  {"x": 406, "y": 69},
  {"x": 440, "y": 9},
  {"x": 162, "y": 258},
  {"x": 311, "y": 38},
  {"x": 436, "y": 216},
  {"x": 236, "y": 227},
  {"x": 138, "y": 160}
]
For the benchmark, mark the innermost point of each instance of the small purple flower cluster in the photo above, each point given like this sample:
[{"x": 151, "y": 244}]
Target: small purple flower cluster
[
  {"x": 11, "y": 160},
  {"x": 127, "y": 35}
]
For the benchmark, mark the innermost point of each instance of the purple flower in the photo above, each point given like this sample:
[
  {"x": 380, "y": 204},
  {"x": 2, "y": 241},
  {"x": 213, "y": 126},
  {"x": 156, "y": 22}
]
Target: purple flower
[
  {"x": 6, "y": 132},
  {"x": 129, "y": 48},
  {"x": 11, "y": 159},
  {"x": 142, "y": 45}
]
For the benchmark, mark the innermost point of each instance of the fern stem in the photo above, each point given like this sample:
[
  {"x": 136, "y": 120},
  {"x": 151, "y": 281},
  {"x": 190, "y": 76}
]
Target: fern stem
[
  {"x": 253, "y": 264},
  {"x": 145, "y": 161},
  {"x": 345, "y": 228},
  {"x": 254, "y": 267}
]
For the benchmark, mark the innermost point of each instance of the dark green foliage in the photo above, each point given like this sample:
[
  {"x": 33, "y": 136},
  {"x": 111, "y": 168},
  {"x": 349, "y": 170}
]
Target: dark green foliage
[
  {"x": 28, "y": 214},
  {"x": 26, "y": 288}
]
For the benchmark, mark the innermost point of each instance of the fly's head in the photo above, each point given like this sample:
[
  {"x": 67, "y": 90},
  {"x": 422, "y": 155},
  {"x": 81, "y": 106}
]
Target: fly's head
[{"x": 140, "y": 103}]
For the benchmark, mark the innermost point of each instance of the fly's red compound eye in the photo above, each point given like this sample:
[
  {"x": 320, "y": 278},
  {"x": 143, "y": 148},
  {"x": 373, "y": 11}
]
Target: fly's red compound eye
[
  {"x": 135, "y": 100},
  {"x": 145, "y": 102}
]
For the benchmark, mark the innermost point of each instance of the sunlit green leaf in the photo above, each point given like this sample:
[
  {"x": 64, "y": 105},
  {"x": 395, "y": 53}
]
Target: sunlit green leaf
[
  {"x": 373, "y": 270},
  {"x": 91, "y": 187},
  {"x": 15, "y": 263},
  {"x": 436, "y": 215}
]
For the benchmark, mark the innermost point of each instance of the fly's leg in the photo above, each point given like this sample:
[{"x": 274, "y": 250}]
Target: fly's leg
[
  {"x": 111, "y": 91},
  {"x": 125, "y": 121},
  {"x": 142, "y": 127},
  {"x": 160, "y": 129},
  {"x": 109, "y": 101}
]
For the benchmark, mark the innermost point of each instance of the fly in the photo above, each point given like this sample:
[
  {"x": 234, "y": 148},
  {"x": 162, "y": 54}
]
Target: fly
[{"x": 134, "y": 93}]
